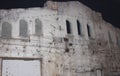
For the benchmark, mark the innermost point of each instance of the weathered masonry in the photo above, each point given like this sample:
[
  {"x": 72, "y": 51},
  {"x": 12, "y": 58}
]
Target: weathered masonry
[{"x": 61, "y": 39}]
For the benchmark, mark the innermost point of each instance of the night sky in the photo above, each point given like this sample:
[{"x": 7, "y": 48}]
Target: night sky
[{"x": 110, "y": 9}]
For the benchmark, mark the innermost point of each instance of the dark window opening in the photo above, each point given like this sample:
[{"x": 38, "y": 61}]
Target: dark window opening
[
  {"x": 68, "y": 27},
  {"x": 6, "y": 30},
  {"x": 89, "y": 31},
  {"x": 23, "y": 28},
  {"x": 79, "y": 27}
]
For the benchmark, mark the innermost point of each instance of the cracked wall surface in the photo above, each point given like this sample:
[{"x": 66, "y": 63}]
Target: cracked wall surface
[{"x": 63, "y": 54}]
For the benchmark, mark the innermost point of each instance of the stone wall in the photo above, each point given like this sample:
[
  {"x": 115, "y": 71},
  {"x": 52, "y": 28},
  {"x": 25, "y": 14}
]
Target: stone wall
[{"x": 62, "y": 54}]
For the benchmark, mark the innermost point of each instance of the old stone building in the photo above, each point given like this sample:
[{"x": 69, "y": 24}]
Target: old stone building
[{"x": 61, "y": 39}]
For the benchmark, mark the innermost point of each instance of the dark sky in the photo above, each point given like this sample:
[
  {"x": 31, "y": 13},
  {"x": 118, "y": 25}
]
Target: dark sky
[{"x": 110, "y": 9}]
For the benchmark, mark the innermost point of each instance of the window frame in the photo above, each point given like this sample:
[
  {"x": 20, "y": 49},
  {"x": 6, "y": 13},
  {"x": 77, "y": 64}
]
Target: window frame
[
  {"x": 68, "y": 27},
  {"x": 79, "y": 29},
  {"x": 20, "y": 28},
  {"x": 38, "y": 33},
  {"x": 9, "y": 31}
]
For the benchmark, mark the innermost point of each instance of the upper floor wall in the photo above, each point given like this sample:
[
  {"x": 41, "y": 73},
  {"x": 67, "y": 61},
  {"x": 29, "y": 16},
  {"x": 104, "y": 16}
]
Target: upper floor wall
[
  {"x": 58, "y": 19},
  {"x": 92, "y": 24},
  {"x": 25, "y": 23}
]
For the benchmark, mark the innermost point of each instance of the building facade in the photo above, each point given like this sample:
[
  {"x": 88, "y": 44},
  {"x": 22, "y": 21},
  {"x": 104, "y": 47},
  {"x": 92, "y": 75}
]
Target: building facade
[{"x": 61, "y": 39}]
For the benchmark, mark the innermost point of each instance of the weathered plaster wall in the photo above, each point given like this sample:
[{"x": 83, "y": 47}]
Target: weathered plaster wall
[{"x": 63, "y": 54}]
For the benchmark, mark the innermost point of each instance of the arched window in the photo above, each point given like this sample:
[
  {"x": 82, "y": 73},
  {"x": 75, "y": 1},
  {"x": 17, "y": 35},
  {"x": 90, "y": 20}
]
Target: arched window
[
  {"x": 6, "y": 30},
  {"x": 68, "y": 26},
  {"x": 23, "y": 28},
  {"x": 79, "y": 28},
  {"x": 38, "y": 27},
  {"x": 89, "y": 30}
]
